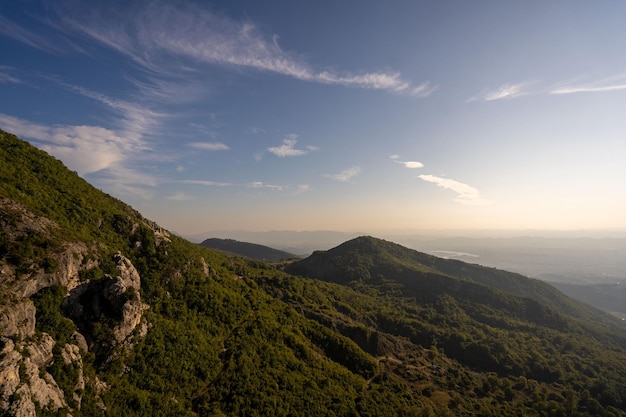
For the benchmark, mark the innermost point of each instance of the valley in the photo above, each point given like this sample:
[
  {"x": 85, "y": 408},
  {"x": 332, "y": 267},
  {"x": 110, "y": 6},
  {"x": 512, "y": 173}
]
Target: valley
[{"x": 104, "y": 312}]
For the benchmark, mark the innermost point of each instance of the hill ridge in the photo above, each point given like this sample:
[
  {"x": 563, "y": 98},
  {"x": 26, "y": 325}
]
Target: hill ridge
[
  {"x": 223, "y": 335},
  {"x": 246, "y": 249}
]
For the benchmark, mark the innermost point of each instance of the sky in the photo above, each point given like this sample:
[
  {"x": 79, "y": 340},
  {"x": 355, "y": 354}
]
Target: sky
[{"x": 352, "y": 115}]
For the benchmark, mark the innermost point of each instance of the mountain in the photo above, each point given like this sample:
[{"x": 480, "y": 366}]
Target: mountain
[
  {"x": 103, "y": 312},
  {"x": 301, "y": 243},
  {"x": 248, "y": 250},
  {"x": 608, "y": 297},
  {"x": 387, "y": 265}
]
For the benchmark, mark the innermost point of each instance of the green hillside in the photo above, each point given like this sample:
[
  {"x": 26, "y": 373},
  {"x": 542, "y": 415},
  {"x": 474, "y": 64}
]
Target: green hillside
[
  {"x": 102, "y": 312},
  {"x": 248, "y": 250},
  {"x": 385, "y": 264}
]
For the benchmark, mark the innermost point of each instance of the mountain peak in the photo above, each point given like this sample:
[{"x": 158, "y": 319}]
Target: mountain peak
[{"x": 103, "y": 312}]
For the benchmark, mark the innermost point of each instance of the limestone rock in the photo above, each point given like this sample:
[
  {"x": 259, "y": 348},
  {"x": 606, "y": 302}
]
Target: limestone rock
[
  {"x": 9, "y": 370},
  {"x": 17, "y": 318},
  {"x": 117, "y": 296},
  {"x": 71, "y": 356},
  {"x": 23, "y": 380},
  {"x": 69, "y": 263},
  {"x": 40, "y": 353}
]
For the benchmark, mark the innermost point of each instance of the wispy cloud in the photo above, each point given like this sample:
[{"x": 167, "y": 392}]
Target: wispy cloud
[
  {"x": 180, "y": 196},
  {"x": 505, "y": 91},
  {"x": 134, "y": 120},
  {"x": 345, "y": 175},
  {"x": 85, "y": 149},
  {"x": 302, "y": 188},
  {"x": 6, "y": 77},
  {"x": 257, "y": 130},
  {"x": 165, "y": 38},
  {"x": 208, "y": 146},
  {"x": 615, "y": 83},
  {"x": 581, "y": 89},
  {"x": 207, "y": 183},
  {"x": 288, "y": 148},
  {"x": 466, "y": 194},
  {"x": 14, "y": 31},
  {"x": 407, "y": 164},
  {"x": 260, "y": 184}
]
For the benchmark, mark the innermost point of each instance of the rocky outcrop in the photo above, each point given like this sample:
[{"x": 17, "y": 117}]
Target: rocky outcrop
[
  {"x": 24, "y": 381},
  {"x": 25, "y": 357},
  {"x": 123, "y": 294},
  {"x": 17, "y": 319},
  {"x": 31, "y": 259},
  {"x": 117, "y": 297},
  {"x": 69, "y": 262},
  {"x": 71, "y": 356},
  {"x": 63, "y": 260}
]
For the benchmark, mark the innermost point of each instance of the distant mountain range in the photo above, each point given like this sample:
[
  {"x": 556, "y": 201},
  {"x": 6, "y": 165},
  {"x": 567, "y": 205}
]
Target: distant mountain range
[
  {"x": 103, "y": 312},
  {"x": 248, "y": 250},
  {"x": 608, "y": 297}
]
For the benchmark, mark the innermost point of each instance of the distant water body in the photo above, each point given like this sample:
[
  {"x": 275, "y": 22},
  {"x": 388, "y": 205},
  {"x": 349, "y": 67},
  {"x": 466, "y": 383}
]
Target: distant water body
[{"x": 448, "y": 254}]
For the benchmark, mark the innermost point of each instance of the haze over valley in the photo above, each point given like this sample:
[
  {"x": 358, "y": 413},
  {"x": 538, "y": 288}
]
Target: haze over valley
[{"x": 312, "y": 208}]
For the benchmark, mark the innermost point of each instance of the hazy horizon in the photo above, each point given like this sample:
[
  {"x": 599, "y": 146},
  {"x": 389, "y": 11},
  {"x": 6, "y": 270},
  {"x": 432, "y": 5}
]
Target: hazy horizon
[{"x": 351, "y": 115}]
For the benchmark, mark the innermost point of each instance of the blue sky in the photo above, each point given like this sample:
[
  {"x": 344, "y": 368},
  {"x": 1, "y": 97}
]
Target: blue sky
[{"x": 329, "y": 115}]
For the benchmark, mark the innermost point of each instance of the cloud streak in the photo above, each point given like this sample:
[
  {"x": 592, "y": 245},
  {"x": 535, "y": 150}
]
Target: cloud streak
[
  {"x": 505, "y": 91},
  {"x": 345, "y": 175},
  {"x": 288, "y": 148},
  {"x": 209, "y": 146},
  {"x": 407, "y": 164},
  {"x": 466, "y": 194},
  {"x": 136, "y": 121},
  {"x": 207, "y": 183},
  {"x": 6, "y": 77},
  {"x": 85, "y": 149},
  {"x": 616, "y": 83},
  {"x": 166, "y": 39},
  {"x": 262, "y": 185},
  {"x": 16, "y": 32},
  {"x": 180, "y": 196}
]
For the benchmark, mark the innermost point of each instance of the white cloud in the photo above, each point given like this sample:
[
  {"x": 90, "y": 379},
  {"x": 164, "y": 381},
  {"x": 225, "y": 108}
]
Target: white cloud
[
  {"x": 85, "y": 149},
  {"x": 288, "y": 148},
  {"x": 6, "y": 77},
  {"x": 208, "y": 146},
  {"x": 413, "y": 164},
  {"x": 345, "y": 175},
  {"x": 133, "y": 119},
  {"x": 168, "y": 39},
  {"x": 505, "y": 91},
  {"x": 466, "y": 194},
  {"x": 407, "y": 164},
  {"x": 180, "y": 196},
  {"x": 207, "y": 183},
  {"x": 616, "y": 83},
  {"x": 12, "y": 30},
  {"x": 260, "y": 184},
  {"x": 302, "y": 188},
  {"x": 91, "y": 150}
]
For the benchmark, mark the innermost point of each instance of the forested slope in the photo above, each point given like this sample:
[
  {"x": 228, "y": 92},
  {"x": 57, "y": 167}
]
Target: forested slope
[{"x": 102, "y": 312}]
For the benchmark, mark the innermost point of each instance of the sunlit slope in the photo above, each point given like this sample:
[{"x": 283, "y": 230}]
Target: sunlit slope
[
  {"x": 245, "y": 249},
  {"x": 222, "y": 335},
  {"x": 387, "y": 265}
]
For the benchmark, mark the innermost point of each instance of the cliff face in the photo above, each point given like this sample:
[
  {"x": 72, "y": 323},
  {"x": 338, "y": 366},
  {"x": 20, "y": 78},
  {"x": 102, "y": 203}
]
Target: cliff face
[
  {"x": 116, "y": 296},
  {"x": 28, "y": 355}
]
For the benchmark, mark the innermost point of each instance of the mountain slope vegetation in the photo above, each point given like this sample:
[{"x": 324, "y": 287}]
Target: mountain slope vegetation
[
  {"x": 247, "y": 250},
  {"x": 102, "y": 312}
]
